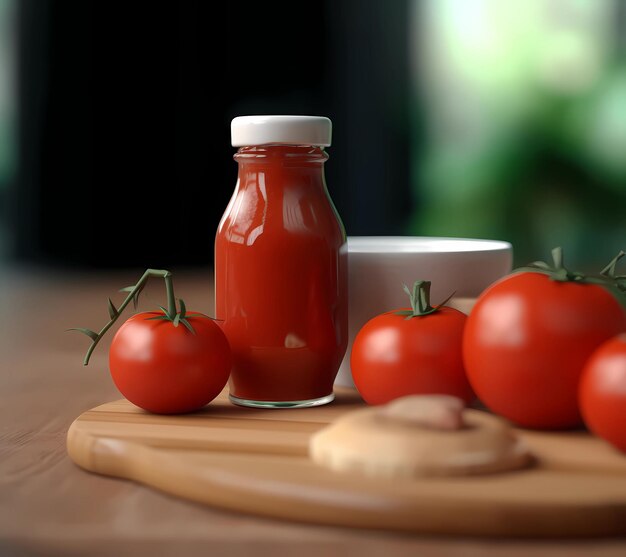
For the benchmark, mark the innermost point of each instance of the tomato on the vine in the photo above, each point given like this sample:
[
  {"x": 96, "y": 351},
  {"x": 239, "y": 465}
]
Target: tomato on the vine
[
  {"x": 166, "y": 369},
  {"x": 528, "y": 337},
  {"x": 411, "y": 351},
  {"x": 602, "y": 392},
  {"x": 166, "y": 362}
]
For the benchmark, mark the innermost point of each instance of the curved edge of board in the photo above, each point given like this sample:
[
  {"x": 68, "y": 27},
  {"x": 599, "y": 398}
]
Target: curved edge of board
[{"x": 297, "y": 491}]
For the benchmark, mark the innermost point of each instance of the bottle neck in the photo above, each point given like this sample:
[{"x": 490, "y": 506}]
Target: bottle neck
[{"x": 295, "y": 156}]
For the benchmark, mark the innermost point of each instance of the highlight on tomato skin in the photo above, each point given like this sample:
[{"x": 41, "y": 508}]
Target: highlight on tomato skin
[
  {"x": 602, "y": 392},
  {"x": 411, "y": 351}
]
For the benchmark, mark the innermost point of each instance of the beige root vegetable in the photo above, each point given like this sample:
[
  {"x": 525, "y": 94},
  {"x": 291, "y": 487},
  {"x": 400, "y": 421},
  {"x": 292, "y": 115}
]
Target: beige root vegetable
[{"x": 416, "y": 436}]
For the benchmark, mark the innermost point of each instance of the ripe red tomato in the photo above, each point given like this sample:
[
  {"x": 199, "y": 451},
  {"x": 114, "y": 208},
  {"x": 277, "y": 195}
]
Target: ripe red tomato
[
  {"x": 395, "y": 355},
  {"x": 166, "y": 369},
  {"x": 602, "y": 392},
  {"x": 526, "y": 342}
]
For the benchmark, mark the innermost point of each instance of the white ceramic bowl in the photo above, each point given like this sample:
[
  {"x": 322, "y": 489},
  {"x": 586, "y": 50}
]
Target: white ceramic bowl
[{"x": 378, "y": 266}]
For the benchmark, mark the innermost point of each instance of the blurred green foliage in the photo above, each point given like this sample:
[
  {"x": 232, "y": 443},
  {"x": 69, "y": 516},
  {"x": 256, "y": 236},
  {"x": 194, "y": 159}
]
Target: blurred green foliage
[{"x": 522, "y": 125}]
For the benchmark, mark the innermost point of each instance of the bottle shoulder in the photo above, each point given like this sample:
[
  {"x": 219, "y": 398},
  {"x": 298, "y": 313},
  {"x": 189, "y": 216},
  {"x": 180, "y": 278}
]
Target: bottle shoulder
[{"x": 252, "y": 217}]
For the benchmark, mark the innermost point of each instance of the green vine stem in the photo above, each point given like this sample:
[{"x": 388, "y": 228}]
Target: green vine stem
[
  {"x": 609, "y": 272},
  {"x": 614, "y": 283},
  {"x": 170, "y": 313},
  {"x": 557, "y": 271},
  {"x": 420, "y": 300}
]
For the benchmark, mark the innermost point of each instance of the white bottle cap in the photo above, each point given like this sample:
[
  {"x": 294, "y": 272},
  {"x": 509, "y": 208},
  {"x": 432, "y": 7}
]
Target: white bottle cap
[{"x": 288, "y": 130}]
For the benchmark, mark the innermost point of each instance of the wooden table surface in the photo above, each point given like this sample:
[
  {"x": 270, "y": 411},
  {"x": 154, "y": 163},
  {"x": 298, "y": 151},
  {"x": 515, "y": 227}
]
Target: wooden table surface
[{"x": 48, "y": 506}]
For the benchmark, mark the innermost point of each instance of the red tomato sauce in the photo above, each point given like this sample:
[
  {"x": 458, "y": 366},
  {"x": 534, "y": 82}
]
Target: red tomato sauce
[{"x": 281, "y": 276}]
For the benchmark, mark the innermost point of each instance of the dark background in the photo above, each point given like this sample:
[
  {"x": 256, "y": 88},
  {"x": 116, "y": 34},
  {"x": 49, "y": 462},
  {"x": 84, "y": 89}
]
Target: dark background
[
  {"x": 463, "y": 118},
  {"x": 124, "y": 109}
]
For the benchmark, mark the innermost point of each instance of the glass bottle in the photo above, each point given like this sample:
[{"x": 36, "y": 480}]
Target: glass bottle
[{"x": 281, "y": 266}]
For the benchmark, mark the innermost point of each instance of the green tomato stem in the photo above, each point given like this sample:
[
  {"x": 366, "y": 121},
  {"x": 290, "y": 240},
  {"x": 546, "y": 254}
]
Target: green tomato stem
[
  {"x": 609, "y": 270},
  {"x": 607, "y": 278},
  {"x": 420, "y": 300},
  {"x": 132, "y": 294},
  {"x": 169, "y": 290}
]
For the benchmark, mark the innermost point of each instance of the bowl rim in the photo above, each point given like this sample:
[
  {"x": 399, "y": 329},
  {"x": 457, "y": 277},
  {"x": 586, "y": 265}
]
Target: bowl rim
[{"x": 424, "y": 244}]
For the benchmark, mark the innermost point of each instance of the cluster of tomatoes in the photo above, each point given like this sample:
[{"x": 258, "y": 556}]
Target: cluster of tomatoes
[{"x": 543, "y": 347}]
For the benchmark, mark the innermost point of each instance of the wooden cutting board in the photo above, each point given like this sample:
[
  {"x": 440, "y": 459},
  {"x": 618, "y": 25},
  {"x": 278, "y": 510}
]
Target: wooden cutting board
[{"x": 255, "y": 461}]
